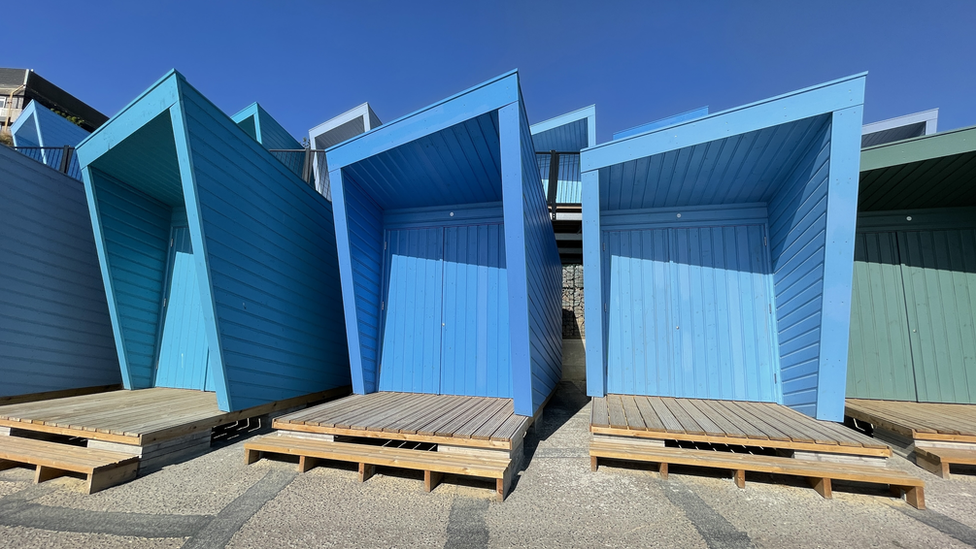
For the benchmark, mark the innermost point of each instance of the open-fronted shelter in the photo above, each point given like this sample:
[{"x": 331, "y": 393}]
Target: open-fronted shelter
[
  {"x": 718, "y": 253},
  {"x": 451, "y": 288},
  {"x": 330, "y": 133},
  {"x": 912, "y": 368},
  {"x": 212, "y": 255}
]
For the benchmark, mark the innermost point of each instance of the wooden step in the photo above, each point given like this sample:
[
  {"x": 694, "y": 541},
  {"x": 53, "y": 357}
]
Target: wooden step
[
  {"x": 50, "y": 459},
  {"x": 818, "y": 472},
  {"x": 434, "y": 464},
  {"x": 937, "y": 460}
]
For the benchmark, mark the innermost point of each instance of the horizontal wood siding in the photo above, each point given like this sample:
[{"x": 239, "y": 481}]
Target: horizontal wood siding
[
  {"x": 364, "y": 220},
  {"x": 55, "y": 331},
  {"x": 271, "y": 253},
  {"x": 272, "y": 134},
  {"x": 135, "y": 233},
  {"x": 543, "y": 271},
  {"x": 797, "y": 232}
]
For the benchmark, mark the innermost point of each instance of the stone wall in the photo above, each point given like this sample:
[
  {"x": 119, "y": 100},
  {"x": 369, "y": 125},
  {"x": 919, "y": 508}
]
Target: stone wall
[{"x": 573, "y": 325}]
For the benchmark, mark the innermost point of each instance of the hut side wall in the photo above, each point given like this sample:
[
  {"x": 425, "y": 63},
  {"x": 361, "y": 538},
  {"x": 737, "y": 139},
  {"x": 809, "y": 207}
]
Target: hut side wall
[
  {"x": 797, "y": 228},
  {"x": 133, "y": 230},
  {"x": 271, "y": 252},
  {"x": 55, "y": 331},
  {"x": 544, "y": 275}
]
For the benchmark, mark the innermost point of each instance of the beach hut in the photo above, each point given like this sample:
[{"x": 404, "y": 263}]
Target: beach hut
[
  {"x": 451, "y": 291},
  {"x": 212, "y": 254},
  {"x": 55, "y": 333},
  {"x": 717, "y": 252},
  {"x": 347, "y": 125},
  {"x": 48, "y": 137},
  {"x": 899, "y": 128},
  {"x": 912, "y": 368}
]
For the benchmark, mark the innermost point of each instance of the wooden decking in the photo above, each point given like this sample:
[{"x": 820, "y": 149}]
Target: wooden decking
[
  {"x": 140, "y": 417},
  {"x": 921, "y": 421},
  {"x": 755, "y": 424},
  {"x": 478, "y": 422}
]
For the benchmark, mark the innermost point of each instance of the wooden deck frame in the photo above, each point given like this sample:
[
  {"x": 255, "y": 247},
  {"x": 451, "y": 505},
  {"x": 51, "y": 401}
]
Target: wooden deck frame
[
  {"x": 920, "y": 421},
  {"x": 471, "y": 422},
  {"x": 134, "y": 417},
  {"x": 313, "y": 452},
  {"x": 102, "y": 469},
  {"x": 819, "y": 474},
  {"x": 734, "y": 423}
]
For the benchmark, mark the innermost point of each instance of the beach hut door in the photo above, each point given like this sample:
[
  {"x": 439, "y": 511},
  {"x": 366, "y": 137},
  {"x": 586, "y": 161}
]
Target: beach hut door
[{"x": 183, "y": 349}]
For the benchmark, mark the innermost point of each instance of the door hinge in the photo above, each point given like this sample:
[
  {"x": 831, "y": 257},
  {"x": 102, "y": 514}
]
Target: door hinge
[
  {"x": 164, "y": 302},
  {"x": 770, "y": 308},
  {"x": 774, "y": 379},
  {"x": 382, "y": 305},
  {"x": 604, "y": 246},
  {"x": 384, "y": 245},
  {"x": 764, "y": 242},
  {"x": 171, "y": 243},
  {"x": 605, "y": 307}
]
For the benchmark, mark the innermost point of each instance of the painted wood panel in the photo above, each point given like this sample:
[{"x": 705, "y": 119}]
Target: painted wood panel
[
  {"x": 184, "y": 352},
  {"x": 413, "y": 350},
  {"x": 797, "y": 237},
  {"x": 543, "y": 272},
  {"x": 133, "y": 230},
  {"x": 689, "y": 313},
  {"x": 476, "y": 344},
  {"x": 939, "y": 273},
  {"x": 55, "y": 331},
  {"x": 880, "y": 365},
  {"x": 270, "y": 248}
]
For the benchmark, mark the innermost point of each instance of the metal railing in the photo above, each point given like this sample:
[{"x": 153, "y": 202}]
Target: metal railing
[
  {"x": 60, "y": 158},
  {"x": 560, "y": 172}
]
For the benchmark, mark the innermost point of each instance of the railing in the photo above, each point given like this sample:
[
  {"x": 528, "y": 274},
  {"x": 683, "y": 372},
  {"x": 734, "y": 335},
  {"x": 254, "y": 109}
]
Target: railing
[
  {"x": 560, "y": 172},
  {"x": 60, "y": 158}
]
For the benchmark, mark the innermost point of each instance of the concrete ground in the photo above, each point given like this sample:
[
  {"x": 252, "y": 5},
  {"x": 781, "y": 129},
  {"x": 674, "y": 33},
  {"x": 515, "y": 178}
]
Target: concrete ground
[{"x": 217, "y": 501}]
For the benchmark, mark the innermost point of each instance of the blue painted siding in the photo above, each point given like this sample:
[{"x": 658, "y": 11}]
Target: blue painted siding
[
  {"x": 263, "y": 128},
  {"x": 794, "y": 156},
  {"x": 263, "y": 252},
  {"x": 797, "y": 228},
  {"x": 412, "y": 332},
  {"x": 133, "y": 232},
  {"x": 365, "y": 236},
  {"x": 689, "y": 313},
  {"x": 55, "y": 331},
  {"x": 184, "y": 351},
  {"x": 457, "y": 192},
  {"x": 270, "y": 248},
  {"x": 476, "y": 342},
  {"x": 543, "y": 271}
]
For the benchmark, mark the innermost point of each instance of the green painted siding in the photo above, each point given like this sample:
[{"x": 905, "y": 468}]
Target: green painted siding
[
  {"x": 940, "y": 292},
  {"x": 880, "y": 363},
  {"x": 913, "y": 325}
]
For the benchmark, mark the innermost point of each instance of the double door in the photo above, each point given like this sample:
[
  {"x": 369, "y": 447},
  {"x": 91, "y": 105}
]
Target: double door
[
  {"x": 689, "y": 313},
  {"x": 445, "y": 311},
  {"x": 913, "y": 316}
]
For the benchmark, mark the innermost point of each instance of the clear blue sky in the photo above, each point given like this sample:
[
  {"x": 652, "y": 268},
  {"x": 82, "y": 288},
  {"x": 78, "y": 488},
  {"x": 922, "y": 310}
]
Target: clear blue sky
[{"x": 307, "y": 61}]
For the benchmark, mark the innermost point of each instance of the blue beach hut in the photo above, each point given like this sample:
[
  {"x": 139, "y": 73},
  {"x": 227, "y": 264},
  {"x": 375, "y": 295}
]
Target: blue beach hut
[
  {"x": 43, "y": 134},
  {"x": 218, "y": 262},
  {"x": 450, "y": 273},
  {"x": 718, "y": 253},
  {"x": 55, "y": 333}
]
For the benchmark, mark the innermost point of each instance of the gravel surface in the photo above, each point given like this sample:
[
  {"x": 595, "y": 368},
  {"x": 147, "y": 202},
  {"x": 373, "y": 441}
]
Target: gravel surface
[{"x": 216, "y": 501}]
